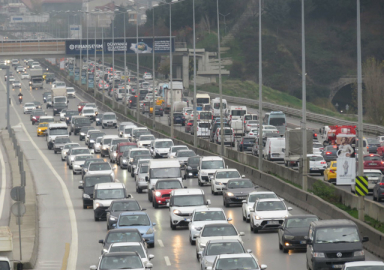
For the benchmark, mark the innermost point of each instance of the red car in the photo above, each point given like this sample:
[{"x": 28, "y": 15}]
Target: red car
[
  {"x": 373, "y": 162},
  {"x": 120, "y": 149},
  {"x": 162, "y": 191},
  {"x": 81, "y": 106}
]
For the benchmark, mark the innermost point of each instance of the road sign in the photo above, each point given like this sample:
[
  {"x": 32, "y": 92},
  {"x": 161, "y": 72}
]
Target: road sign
[
  {"x": 18, "y": 209},
  {"x": 18, "y": 194},
  {"x": 361, "y": 185}
]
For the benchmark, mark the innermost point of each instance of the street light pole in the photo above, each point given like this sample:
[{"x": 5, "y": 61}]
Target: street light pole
[
  {"x": 137, "y": 67},
  {"x": 102, "y": 56},
  {"x": 260, "y": 94},
  {"x": 220, "y": 85},
  {"x": 113, "y": 54},
  {"x": 125, "y": 68},
  {"x": 94, "y": 68},
  {"x": 194, "y": 80},
  {"x": 87, "y": 48},
  {"x": 304, "y": 102},
  {"x": 170, "y": 68},
  {"x": 81, "y": 46},
  {"x": 153, "y": 67}
]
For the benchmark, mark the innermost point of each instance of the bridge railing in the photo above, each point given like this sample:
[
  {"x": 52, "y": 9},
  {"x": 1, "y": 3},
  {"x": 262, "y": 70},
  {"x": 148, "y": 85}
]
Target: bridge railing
[{"x": 32, "y": 46}]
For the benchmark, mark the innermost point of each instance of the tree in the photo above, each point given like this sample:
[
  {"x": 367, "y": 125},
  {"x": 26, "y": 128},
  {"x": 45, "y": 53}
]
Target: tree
[{"x": 374, "y": 90}]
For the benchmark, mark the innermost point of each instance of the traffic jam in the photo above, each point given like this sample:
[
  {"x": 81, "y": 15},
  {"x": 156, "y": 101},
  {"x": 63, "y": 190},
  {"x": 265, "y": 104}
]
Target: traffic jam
[{"x": 99, "y": 149}]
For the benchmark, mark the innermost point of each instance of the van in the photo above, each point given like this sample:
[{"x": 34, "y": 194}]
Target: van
[
  {"x": 236, "y": 112},
  {"x": 102, "y": 195},
  {"x": 215, "y": 106},
  {"x": 204, "y": 115},
  {"x": 182, "y": 203},
  {"x": 332, "y": 243},
  {"x": 274, "y": 149},
  {"x": 229, "y": 136},
  {"x": 238, "y": 127},
  {"x": 120, "y": 93},
  {"x": 202, "y": 129},
  {"x": 54, "y": 130},
  {"x": 207, "y": 168},
  {"x": 161, "y": 169}
]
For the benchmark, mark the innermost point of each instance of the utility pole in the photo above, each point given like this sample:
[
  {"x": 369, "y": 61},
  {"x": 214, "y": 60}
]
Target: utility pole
[
  {"x": 194, "y": 80},
  {"x": 220, "y": 85},
  {"x": 170, "y": 68},
  {"x": 304, "y": 102},
  {"x": 260, "y": 93}
]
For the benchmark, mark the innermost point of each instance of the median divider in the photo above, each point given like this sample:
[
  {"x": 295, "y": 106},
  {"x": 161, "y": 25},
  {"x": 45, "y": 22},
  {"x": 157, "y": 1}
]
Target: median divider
[{"x": 268, "y": 177}]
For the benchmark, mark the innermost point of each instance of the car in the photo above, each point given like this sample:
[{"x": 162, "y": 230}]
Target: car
[
  {"x": 330, "y": 173},
  {"x": 318, "y": 148},
  {"x": 175, "y": 148},
  {"x": 374, "y": 177},
  {"x": 137, "y": 132},
  {"x": 250, "y": 124},
  {"x": 270, "y": 129},
  {"x": 160, "y": 148},
  {"x": 62, "y": 114},
  {"x": 236, "y": 261},
  {"x": 140, "y": 221},
  {"x": 191, "y": 167},
  {"x": 246, "y": 143},
  {"x": 317, "y": 164},
  {"x": 207, "y": 167},
  {"x": 363, "y": 265},
  {"x": 189, "y": 126},
  {"x": 120, "y": 260},
  {"x": 136, "y": 152},
  {"x": 121, "y": 148},
  {"x": 35, "y": 116},
  {"x": 78, "y": 163},
  {"x": 253, "y": 132},
  {"x": 293, "y": 233},
  {"x": 45, "y": 95},
  {"x": 89, "y": 112},
  {"x": 147, "y": 76},
  {"x": 91, "y": 106},
  {"x": 219, "y": 231},
  {"x": 119, "y": 206},
  {"x": 220, "y": 179},
  {"x": 330, "y": 153},
  {"x": 202, "y": 129},
  {"x": 145, "y": 140},
  {"x": 158, "y": 110},
  {"x": 134, "y": 168},
  {"x": 49, "y": 101},
  {"x": 127, "y": 131},
  {"x": 112, "y": 153},
  {"x": 183, "y": 155},
  {"x": 162, "y": 189},
  {"x": 268, "y": 214},
  {"x": 68, "y": 116},
  {"x": 46, "y": 119},
  {"x": 71, "y": 92},
  {"x": 108, "y": 120},
  {"x": 373, "y": 144},
  {"x": 92, "y": 138},
  {"x": 25, "y": 76},
  {"x": 178, "y": 118},
  {"x": 251, "y": 199},
  {"x": 141, "y": 174},
  {"x": 373, "y": 162},
  {"x": 16, "y": 84},
  {"x": 42, "y": 129},
  {"x": 89, "y": 133},
  {"x": 202, "y": 217},
  {"x": 28, "y": 107},
  {"x": 100, "y": 168},
  {"x": 237, "y": 190},
  {"x": 122, "y": 126},
  {"x": 83, "y": 132},
  {"x": 86, "y": 165},
  {"x": 19, "y": 69},
  {"x": 59, "y": 143},
  {"x": 75, "y": 151},
  {"x": 132, "y": 247},
  {"x": 66, "y": 148}
]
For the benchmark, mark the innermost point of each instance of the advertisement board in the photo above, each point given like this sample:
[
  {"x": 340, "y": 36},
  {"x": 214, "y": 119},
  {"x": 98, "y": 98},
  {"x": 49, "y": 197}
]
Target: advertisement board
[
  {"x": 75, "y": 31},
  {"x": 145, "y": 45},
  {"x": 346, "y": 170},
  {"x": 30, "y": 18}
]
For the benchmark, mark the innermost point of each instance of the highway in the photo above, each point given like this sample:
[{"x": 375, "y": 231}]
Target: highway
[{"x": 63, "y": 221}]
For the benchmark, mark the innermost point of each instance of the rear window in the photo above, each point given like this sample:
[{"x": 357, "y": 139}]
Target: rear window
[
  {"x": 249, "y": 140},
  {"x": 316, "y": 158},
  {"x": 227, "y": 132},
  {"x": 204, "y": 125},
  {"x": 373, "y": 158}
]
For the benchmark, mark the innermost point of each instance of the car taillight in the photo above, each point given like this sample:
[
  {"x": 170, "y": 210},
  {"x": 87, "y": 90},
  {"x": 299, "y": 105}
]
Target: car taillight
[
  {"x": 381, "y": 184},
  {"x": 335, "y": 146},
  {"x": 328, "y": 153},
  {"x": 315, "y": 135},
  {"x": 277, "y": 131},
  {"x": 323, "y": 162},
  {"x": 248, "y": 125},
  {"x": 331, "y": 171}
]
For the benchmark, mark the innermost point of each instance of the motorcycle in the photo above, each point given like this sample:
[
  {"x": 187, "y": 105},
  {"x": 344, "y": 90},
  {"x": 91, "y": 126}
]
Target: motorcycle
[{"x": 20, "y": 99}]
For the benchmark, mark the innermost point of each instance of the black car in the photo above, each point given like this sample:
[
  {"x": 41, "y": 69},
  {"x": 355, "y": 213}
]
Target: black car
[
  {"x": 246, "y": 143},
  {"x": 178, "y": 118},
  {"x": 86, "y": 165},
  {"x": 373, "y": 144},
  {"x": 132, "y": 102},
  {"x": 237, "y": 190},
  {"x": 332, "y": 243},
  {"x": 124, "y": 156},
  {"x": 294, "y": 231},
  {"x": 191, "y": 167},
  {"x": 69, "y": 114},
  {"x": 88, "y": 186},
  {"x": 330, "y": 153},
  {"x": 159, "y": 110},
  {"x": 121, "y": 235},
  {"x": 45, "y": 95},
  {"x": 119, "y": 206},
  {"x": 83, "y": 132}
]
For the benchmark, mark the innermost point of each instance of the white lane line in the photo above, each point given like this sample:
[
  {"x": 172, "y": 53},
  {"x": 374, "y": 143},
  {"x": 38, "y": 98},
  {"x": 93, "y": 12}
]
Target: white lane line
[
  {"x": 167, "y": 261},
  {"x": 72, "y": 259},
  {"x": 3, "y": 182},
  {"x": 161, "y": 244}
]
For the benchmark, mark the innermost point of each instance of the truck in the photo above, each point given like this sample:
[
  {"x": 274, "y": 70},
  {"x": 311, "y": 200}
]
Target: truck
[
  {"x": 177, "y": 87},
  {"x": 334, "y": 131},
  {"x": 179, "y": 105},
  {"x": 293, "y": 151},
  {"x": 59, "y": 99},
  {"x": 36, "y": 78}
]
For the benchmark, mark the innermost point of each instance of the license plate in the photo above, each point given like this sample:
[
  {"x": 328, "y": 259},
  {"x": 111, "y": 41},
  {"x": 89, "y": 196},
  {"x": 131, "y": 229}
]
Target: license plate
[
  {"x": 167, "y": 201},
  {"x": 337, "y": 266},
  {"x": 372, "y": 164},
  {"x": 241, "y": 198},
  {"x": 303, "y": 242},
  {"x": 273, "y": 222},
  {"x": 275, "y": 155}
]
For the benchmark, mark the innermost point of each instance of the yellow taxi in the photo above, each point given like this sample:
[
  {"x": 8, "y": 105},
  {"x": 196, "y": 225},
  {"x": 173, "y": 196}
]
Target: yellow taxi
[
  {"x": 42, "y": 129},
  {"x": 330, "y": 172},
  {"x": 160, "y": 101}
]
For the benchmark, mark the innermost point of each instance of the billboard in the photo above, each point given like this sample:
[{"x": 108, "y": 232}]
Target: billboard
[
  {"x": 145, "y": 45},
  {"x": 75, "y": 31},
  {"x": 30, "y": 18},
  {"x": 346, "y": 170}
]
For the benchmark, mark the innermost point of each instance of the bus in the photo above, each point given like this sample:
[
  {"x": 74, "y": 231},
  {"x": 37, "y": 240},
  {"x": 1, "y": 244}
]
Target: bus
[
  {"x": 277, "y": 119},
  {"x": 202, "y": 99}
]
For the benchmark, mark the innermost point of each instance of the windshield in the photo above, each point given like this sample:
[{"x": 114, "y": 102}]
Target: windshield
[
  {"x": 337, "y": 235},
  {"x": 374, "y": 158},
  {"x": 373, "y": 141},
  {"x": 219, "y": 231},
  {"x": 124, "y": 148},
  {"x": 236, "y": 263},
  {"x": 177, "y": 148},
  {"x": 139, "y": 152},
  {"x": 94, "y": 180},
  {"x": 82, "y": 158},
  {"x": 4, "y": 265},
  {"x": 116, "y": 141},
  {"x": 168, "y": 185},
  {"x": 138, "y": 133},
  {"x": 209, "y": 215},
  {"x": 92, "y": 105},
  {"x": 249, "y": 140},
  {"x": 217, "y": 106},
  {"x": 300, "y": 222},
  {"x": 227, "y": 131},
  {"x": 194, "y": 161},
  {"x": 82, "y": 121},
  {"x": 96, "y": 135},
  {"x": 69, "y": 146},
  {"x": 60, "y": 99},
  {"x": 238, "y": 112},
  {"x": 43, "y": 125},
  {"x": 164, "y": 144},
  {"x": 118, "y": 237},
  {"x": 204, "y": 125},
  {"x": 254, "y": 197},
  {"x": 186, "y": 154},
  {"x": 62, "y": 140},
  {"x": 188, "y": 200},
  {"x": 147, "y": 138},
  {"x": 121, "y": 262},
  {"x": 230, "y": 174},
  {"x": 109, "y": 117},
  {"x": 125, "y": 206},
  {"x": 107, "y": 141},
  {"x": 205, "y": 115},
  {"x": 212, "y": 164},
  {"x": 277, "y": 121},
  {"x": 134, "y": 220},
  {"x": 79, "y": 151},
  {"x": 38, "y": 113},
  {"x": 100, "y": 167},
  {"x": 271, "y": 206},
  {"x": 372, "y": 174},
  {"x": 110, "y": 194},
  {"x": 89, "y": 111},
  {"x": 215, "y": 249},
  {"x": 128, "y": 130},
  {"x": 71, "y": 113},
  {"x": 144, "y": 169},
  {"x": 240, "y": 184},
  {"x": 59, "y": 131},
  {"x": 136, "y": 248},
  {"x": 165, "y": 173},
  {"x": 202, "y": 100},
  {"x": 315, "y": 158}
]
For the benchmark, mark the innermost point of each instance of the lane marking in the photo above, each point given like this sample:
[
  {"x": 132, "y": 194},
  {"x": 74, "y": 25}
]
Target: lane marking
[
  {"x": 167, "y": 261},
  {"x": 3, "y": 183},
  {"x": 161, "y": 244},
  {"x": 65, "y": 257},
  {"x": 72, "y": 258}
]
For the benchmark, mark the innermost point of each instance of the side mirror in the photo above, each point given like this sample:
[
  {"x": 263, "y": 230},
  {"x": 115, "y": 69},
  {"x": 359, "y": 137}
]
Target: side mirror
[
  {"x": 200, "y": 253},
  {"x": 263, "y": 266},
  {"x": 289, "y": 208},
  {"x": 93, "y": 267},
  {"x": 252, "y": 210},
  {"x": 148, "y": 265},
  {"x": 147, "y": 178},
  {"x": 101, "y": 241},
  {"x": 229, "y": 219},
  {"x": 153, "y": 224},
  {"x": 365, "y": 239},
  {"x": 197, "y": 235},
  {"x": 129, "y": 196},
  {"x": 241, "y": 233},
  {"x": 151, "y": 256},
  {"x": 81, "y": 187},
  {"x": 244, "y": 201},
  {"x": 208, "y": 202},
  {"x": 249, "y": 250}
]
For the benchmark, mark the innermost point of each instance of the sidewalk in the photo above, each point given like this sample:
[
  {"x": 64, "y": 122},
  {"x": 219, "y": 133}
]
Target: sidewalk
[{"x": 30, "y": 221}]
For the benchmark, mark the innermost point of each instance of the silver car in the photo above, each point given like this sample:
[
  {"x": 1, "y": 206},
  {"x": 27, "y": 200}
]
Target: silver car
[
  {"x": 183, "y": 155},
  {"x": 97, "y": 145},
  {"x": 112, "y": 153},
  {"x": 145, "y": 140},
  {"x": 66, "y": 148},
  {"x": 74, "y": 152},
  {"x": 142, "y": 172},
  {"x": 100, "y": 168},
  {"x": 78, "y": 162}
]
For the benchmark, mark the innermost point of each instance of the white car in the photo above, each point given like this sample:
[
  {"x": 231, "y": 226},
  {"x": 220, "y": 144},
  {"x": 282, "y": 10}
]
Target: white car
[
  {"x": 250, "y": 124},
  {"x": 249, "y": 203},
  {"x": 318, "y": 148},
  {"x": 253, "y": 132},
  {"x": 145, "y": 140},
  {"x": 236, "y": 261},
  {"x": 317, "y": 164},
  {"x": 78, "y": 162},
  {"x": 100, "y": 168},
  {"x": 16, "y": 84},
  {"x": 270, "y": 129},
  {"x": 202, "y": 217},
  {"x": 132, "y": 247},
  {"x": 268, "y": 214},
  {"x": 91, "y": 105},
  {"x": 160, "y": 148},
  {"x": 66, "y": 148},
  {"x": 221, "y": 177},
  {"x": 147, "y": 76},
  {"x": 71, "y": 92},
  {"x": 97, "y": 145},
  {"x": 89, "y": 112},
  {"x": 29, "y": 107},
  {"x": 62, "y": 114},
  {"x": 175, "y": 148},
  {"x": 222, "y": 231},
  {"x": 25, "y": 76},
  {"x": 374, "y": 265}
]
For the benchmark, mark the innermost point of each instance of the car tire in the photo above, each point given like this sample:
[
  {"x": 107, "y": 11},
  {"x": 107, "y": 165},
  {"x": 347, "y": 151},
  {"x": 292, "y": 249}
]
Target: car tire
[
  {"x": 225, "y": 203},
  {"x": 285, "y": 250},
  {"x": 280, "y": 246},
  {"x": 192, "y": 242},
  {"x": 321, "y": 173},
  {"x": 102, "y": 155},
  {"x": 73, "y": 172},
  {"x": 132, "y": 175},
  {"x": 96, "y": 218},
  {"x": 244, "y": 218},
  {"x": 155, "y": 204},
  {"x": 173, "y": 227},
  {"x": 150, "y": 199},
  {"x": 55, "y": 152},
  {"x": 84, "y": 206},
  {"x": 151, "y": 245}
]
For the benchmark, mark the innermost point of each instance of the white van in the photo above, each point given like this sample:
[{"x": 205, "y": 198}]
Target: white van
[
  {"x": 182, "y": 203},
  {"x": 162, "y": 169},
  {"x": 215, "y": 106},
  {"x": 236, "y": 112},
  {"x": 238, "y": 127},
  {"x": 202, "y": 129},
  {"x": 229, "y": 136},
  {"x": 207, "y": 168},
  {"x": 204, "y": 115},
  {"x": 274, "y": 149}
]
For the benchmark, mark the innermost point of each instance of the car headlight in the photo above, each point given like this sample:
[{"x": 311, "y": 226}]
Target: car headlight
[
  {"x": 39, "y": 130},
  {"x": 97, "y": 119},
  {"x": 105, "y": 250},
  {"x": 112, "y": 218},
  {"x": 112, "y": 174},
  {"x": 318, "y": 255},
  {"x": 67, "y": 118},
  {"x": 230, "y": 194},
  {"x": 98, "y": 205},
  {"x": 82, "y": 133},
  {"x": 131, "y": 160},
  {"x": 86, "y": 196},
  {"x": 176, "y": 212},
  {"x": 157, "y": 193},
  {"x": 150, "y": 231},
  {"x": 104, "y": 148},
  {"x": 72, "y": 158},
  {"x": 92, "y": 141},
  {"x": 289, "y": 237},
  {"x": 124, "y": 161},
  {"x": 218, "y": 183},
  {"x": 359, "y": 253},
  {"x": 79, "y": 107},
  {"x": 250, "y": 208},
  {"x": 114, "y": 154},
  {"x": 258, "y": 217}
]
